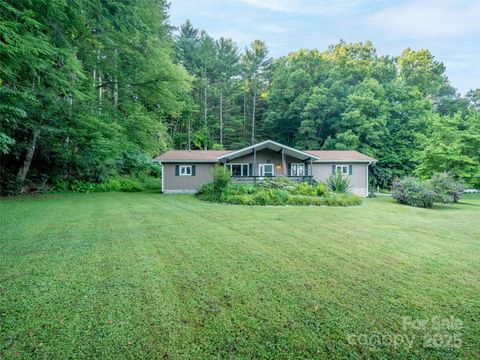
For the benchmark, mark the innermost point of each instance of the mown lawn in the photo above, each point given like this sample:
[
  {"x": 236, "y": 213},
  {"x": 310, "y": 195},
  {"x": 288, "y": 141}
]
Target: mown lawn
[{"x": 145, "y": 275}]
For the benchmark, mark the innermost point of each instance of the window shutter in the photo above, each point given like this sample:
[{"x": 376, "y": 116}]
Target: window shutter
[
  {"x": 193, "y": 170},
  {"x": 177, "y": 170},
  {"x": 250, "y": 169},
  {"x": 289, "y": 169},
  {"x": 333, "y": 169},
  {"x": 349, "y": 169}
]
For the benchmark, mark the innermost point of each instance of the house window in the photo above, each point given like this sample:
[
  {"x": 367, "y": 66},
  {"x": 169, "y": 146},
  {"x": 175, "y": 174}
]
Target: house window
[
  {"x": 238, "y": 169},
  {"x": 266, "y": 169},
  {"x": 297, "y": 169},
  {"x": 185, "y": 170},
  {"x": 342, "y": 169}
]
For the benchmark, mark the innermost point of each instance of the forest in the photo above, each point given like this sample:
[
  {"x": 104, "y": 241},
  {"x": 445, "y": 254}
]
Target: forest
[{"x": 91, "y": 90}]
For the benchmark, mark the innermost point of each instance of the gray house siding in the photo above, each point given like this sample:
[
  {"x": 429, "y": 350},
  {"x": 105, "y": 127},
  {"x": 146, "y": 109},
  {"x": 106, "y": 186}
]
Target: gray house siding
[
  {"x": 176, "y": 184},
  {"x": 358, "y": 179}
]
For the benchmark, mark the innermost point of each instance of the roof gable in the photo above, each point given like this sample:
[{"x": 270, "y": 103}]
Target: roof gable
[{"x": 271, "y": 145}]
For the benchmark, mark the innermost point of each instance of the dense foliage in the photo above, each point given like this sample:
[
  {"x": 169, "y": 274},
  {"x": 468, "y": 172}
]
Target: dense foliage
[
  {"x": 275, "y": 191},
  {"x": 87, "y": 89},
  {"x": 91, "y": 90},
  {"x": 441, "y": 188}
]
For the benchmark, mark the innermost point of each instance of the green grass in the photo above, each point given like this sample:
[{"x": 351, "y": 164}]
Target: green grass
[{"x": 143, "y": 275}]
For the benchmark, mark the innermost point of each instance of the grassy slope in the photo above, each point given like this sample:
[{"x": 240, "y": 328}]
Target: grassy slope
[{"x": 144, "y": 275}]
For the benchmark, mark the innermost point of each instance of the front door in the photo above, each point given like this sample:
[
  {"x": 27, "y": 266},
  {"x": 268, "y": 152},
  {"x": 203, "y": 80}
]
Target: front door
[{"x": 266, "y": 169}]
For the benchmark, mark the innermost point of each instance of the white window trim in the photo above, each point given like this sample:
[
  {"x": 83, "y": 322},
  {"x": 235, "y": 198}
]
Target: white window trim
[
  {"x": 186, "y": 167},
  {"x": 242, "y": 165},
  {"x": 291, "y": 169},
  {"x": 263, "y": 165},
  {"x": 342, "y": 167}
]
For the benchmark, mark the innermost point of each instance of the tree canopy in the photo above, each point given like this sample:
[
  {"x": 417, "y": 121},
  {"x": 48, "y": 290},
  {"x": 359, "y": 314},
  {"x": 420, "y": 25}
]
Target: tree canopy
[{"x": 89, "y": 89}]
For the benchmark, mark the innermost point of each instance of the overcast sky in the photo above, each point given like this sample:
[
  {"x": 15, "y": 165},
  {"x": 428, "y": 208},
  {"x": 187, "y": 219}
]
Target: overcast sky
[{"x": 449, "y": 28}]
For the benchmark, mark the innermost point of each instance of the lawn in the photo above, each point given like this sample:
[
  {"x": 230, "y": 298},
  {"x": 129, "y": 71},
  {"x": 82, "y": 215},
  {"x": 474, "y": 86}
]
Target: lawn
[{"x": 143, "y": 275}]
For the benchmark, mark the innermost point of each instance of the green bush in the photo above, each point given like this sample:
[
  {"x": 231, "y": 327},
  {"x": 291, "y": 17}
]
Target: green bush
[
  {"x": 300, "y": 200},
  {"x": 239, "y": 200},
  {"x": 263, "y": 198},
  {"x": 304, "y": 189},
  {"x": 112, "y": 184},
  {"x": 240, "y": 189},
  {"x": 327, "y": 200},
  {"x": 446, "y": 188},
  {"x": 221, "y": 178},
  {"x": 279, "y": 196},
  {"x": 411, "y": 191},
  {"x": 83, "y": 186},
  {"x": 320, "y": 189},
  {"x": 338, "y": 183},
  {"x": 277, "y": 182}
]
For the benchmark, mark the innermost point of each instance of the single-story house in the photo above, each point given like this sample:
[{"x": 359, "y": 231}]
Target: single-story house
[{"x": 184, "y": 171}]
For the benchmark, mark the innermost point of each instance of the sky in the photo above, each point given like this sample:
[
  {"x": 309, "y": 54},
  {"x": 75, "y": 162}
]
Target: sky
[{"x": 450, "y": 29}]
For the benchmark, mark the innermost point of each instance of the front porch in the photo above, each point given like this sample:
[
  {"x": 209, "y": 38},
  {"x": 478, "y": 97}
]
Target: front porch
[
  {"x": 269, "y": 159},
  {"x": 255, "y": 179}
]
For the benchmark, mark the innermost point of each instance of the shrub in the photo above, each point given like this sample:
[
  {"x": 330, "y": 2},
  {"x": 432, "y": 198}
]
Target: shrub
[
  {"x": 112, "y": 184},
  {"x": 411, "y": 191},
  {"x": 327, "y": 200},
  {"x": 338, "y": 183},
  {"x": 300, "y": 200},
  {"x": 240, "y": 189},
  {"x": 304, "y": 189},
  {"x": 446, "y": 188},
  {"x": 320, "y": 189},
  {"x": 277, "y": 182},
  {"x": 240, "y": 199},
  {"x": 83, "y": 186},
  {"x": 221, "y": 178},
  {"x": 279, "y": 196}
]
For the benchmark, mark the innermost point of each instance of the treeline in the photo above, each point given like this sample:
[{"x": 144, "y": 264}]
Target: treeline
[
  {"x": 401, "y": 110},
  {"x": 92, "y": 89}
]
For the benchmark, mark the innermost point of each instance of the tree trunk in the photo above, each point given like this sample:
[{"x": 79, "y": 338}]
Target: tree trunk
[
  {"x": 189, "y": 135},
  {"x": 205, "y": 105},
  {"x": 244, "y": 115},
  {"x": 23, "y": 171},
  {"x": 221, "y": 117},
  {"x": 115, "y": 82},
  {"x": 253, "y": 114}
]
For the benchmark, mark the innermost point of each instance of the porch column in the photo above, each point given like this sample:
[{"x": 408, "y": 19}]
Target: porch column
[
  {"x": 284, "y": 164},
  {"x": 311, "y": 171},
  {"x": 254, "y": 170}
]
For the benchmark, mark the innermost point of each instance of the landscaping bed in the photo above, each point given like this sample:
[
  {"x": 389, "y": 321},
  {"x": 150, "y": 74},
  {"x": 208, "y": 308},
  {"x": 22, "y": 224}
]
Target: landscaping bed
[{"x": 278, "y": 191}]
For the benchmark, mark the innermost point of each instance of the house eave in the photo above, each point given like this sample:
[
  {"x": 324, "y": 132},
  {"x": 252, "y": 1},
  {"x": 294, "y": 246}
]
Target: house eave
[
  {"x": 196, "y": 161},
  {"x": 345, "y": 161}
]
